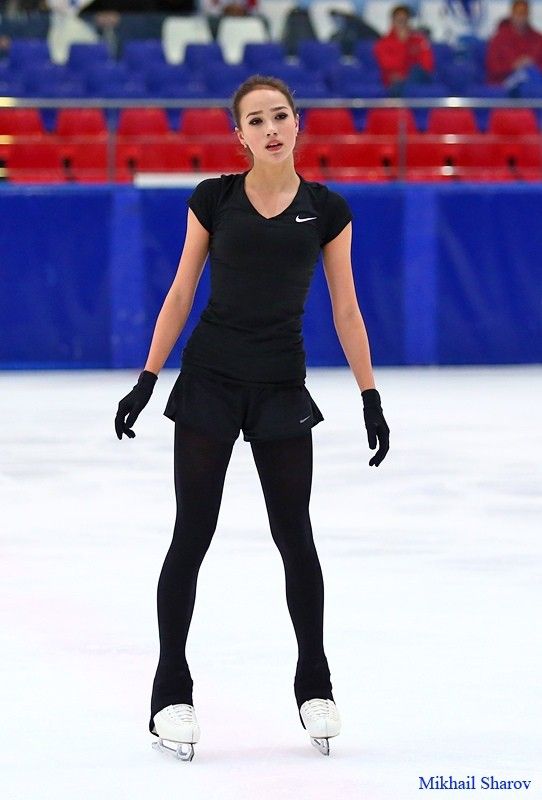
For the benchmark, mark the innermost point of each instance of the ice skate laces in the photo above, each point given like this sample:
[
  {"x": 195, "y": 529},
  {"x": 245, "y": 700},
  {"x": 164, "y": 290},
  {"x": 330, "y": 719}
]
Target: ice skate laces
[
  {"x": 320, "y": 708},
  {"x": 181, "y": 713}
]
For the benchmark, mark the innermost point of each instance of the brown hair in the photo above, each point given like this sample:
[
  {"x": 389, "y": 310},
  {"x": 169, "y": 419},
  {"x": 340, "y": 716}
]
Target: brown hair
[
  {"x": 401, "y": 9},
  {"x": 259, "y": 82}
]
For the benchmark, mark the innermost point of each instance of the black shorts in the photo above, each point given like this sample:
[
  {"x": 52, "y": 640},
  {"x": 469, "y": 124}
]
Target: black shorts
[{"x": 222, "y": 408}]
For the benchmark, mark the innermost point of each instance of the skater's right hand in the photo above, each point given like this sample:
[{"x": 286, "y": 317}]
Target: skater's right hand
[{"x": 134, "y": 403}]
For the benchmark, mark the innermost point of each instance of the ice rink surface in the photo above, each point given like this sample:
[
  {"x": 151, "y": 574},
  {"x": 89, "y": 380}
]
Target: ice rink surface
[{"x": 433, "y": 595}]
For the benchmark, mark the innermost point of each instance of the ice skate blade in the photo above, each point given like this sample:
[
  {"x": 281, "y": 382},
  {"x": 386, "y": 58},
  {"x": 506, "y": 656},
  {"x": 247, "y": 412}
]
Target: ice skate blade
[
  {"x": 178, "y": 751},
  {"x": 321, "y": 744}
]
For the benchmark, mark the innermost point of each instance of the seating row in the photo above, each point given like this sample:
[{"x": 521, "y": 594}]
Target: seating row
[
  {"x": 359, "y": 158},
  {"x": 325, "y": 122},
  {"x": 443, "y": 20},
  {"x": 320, "y": 72}
]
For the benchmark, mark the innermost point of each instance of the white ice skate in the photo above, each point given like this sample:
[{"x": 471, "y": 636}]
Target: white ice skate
[
  {"x": 177, "y": 724},
  {"x": 322, "y": 721}
]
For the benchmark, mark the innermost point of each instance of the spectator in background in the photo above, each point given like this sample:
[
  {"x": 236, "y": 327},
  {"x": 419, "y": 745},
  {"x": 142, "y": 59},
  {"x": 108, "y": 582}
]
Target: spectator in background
[
  {"x": 403, "y": 54},
  {"x": 105, "y": 15},
  {"x": 514, "y": 53},
  {"x": 234, "y": 8},
  {"x": 351, "y": 29},
  {"x": 216, "y": 9}
]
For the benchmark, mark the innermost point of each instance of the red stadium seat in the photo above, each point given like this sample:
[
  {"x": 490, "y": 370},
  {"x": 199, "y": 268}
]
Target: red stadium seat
[
  {"x": 365, "y": 157},
  {"x": 142, "y": 122},
  {"x": 311, "y": 154},
  {"x": 512, "y": 121},
  {"x": 390, "y": 121},
  {"x": 451, "y": 157},
  {"x": 156, "y": 154},
  {"x": 517, "y": 142},
  {"x": 478, "y": 160},
  {"x": 451, "y": 120},
  {"x": 521, "y": 156},
  {"x": 205, "y": 122},
  {"x": 85, "y": 161},
  {"x": 326, "y": 121},
  {"x": 81, "y": 122},
  {"x": 352, "y": 158},
  {"x": 81, "y": 136},
  {"x": 175, "y": 154},
  {"x": 429, "y": 158},
  {"x": 223, "y": 157},
  {"x": 38, "y": 162},
  {"x": 21, "y": 122}
]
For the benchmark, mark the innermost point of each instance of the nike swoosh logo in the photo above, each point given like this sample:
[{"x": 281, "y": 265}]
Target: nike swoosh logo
[
  {"x": 304, "y": 419},
  {"x": 303, "y": 219}
]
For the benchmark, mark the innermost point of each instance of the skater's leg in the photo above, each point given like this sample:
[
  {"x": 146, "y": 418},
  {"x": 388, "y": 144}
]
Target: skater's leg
[
  {"x": 200, "y": 464},
  {"x": 285, "y": 470}
]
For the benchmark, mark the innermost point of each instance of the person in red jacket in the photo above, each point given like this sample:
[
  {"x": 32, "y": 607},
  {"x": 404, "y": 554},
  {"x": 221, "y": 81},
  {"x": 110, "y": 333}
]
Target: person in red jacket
[
  {"x": 514, "y": 53},
  {"x": 403, "y": 53}
]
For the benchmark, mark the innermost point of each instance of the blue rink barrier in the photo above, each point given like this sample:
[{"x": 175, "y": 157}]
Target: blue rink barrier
[{"x": 445, "y": 274}]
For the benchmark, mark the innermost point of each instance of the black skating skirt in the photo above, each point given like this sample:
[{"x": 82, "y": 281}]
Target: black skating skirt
[{"x": 223, "y": 408}]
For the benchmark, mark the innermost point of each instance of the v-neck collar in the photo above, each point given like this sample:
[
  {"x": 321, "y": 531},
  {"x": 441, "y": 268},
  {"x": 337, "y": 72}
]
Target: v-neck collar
[{"x": 255, "y": 210}]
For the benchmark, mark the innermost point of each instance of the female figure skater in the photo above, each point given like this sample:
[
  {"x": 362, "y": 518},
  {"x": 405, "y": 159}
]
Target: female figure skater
[{"x": 244, "y": 368}]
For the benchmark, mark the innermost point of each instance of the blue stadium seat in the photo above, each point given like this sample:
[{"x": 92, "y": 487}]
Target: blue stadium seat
[
  {"x": 310, "y": 88},
  {"x": 301, "y": 81},
  {"x": 222, "y": 81},
  {"x": 348, "y": 77},
  {"x": 262, "y": 56},
  {"x": 318, "y": 55},
  {"x": 474, "y": 48},
  {"x": 58, "y": 88},
  {"x": 134, "y": 87},
  {"x": 97, "y": 77},
  {"x": 84, "y": 56},
  {"x": 365, "y": 54},
  {"x": 11, "y": 86},
  {"x": 197, "y": 56},
  {"x": 291, "y": 72},
  {"x": 159, "y": 75},
  {"x": 40, "y": 80},
  {"x": 174, "y": 81},
  {"x": 434, "y": 89},
  {"x": 140, "y": 54},
  {"x": 443, "y": 52},
  {"x": 460, "y": 73},
  {"x": 531, "y": 89},
  {"x": 28, "y": 52},
  {"x": 361, "y": 89},
  {"x": 484, "y": 90},
  {"x": 185, "y": 89}
]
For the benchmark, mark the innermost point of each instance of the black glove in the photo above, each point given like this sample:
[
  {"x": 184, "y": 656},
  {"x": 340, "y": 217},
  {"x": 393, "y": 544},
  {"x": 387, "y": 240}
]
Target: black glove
[
  {"x": 134, "y": 403},
  {"x": 376, "y": 425}
]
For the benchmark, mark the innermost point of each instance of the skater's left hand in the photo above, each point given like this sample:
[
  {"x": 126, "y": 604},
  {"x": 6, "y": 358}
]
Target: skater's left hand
[{"x": 377, "y": 427}]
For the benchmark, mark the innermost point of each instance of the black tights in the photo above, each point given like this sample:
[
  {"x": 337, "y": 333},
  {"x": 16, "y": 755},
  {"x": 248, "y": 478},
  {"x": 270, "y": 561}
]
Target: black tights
[{"x": 285, "y": 470}]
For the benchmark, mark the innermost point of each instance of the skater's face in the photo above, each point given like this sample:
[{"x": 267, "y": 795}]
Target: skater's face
[{"x": 268, "y": 125}]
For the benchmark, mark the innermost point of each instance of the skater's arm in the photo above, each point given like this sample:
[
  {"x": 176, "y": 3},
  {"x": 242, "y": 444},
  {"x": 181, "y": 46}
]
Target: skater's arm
[
  {"x": 180, "y": 297},
  {"x": 347, "y": 316}
]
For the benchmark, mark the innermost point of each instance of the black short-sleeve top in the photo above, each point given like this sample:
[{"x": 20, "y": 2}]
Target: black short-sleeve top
[{"x": 261, "y": 270}]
